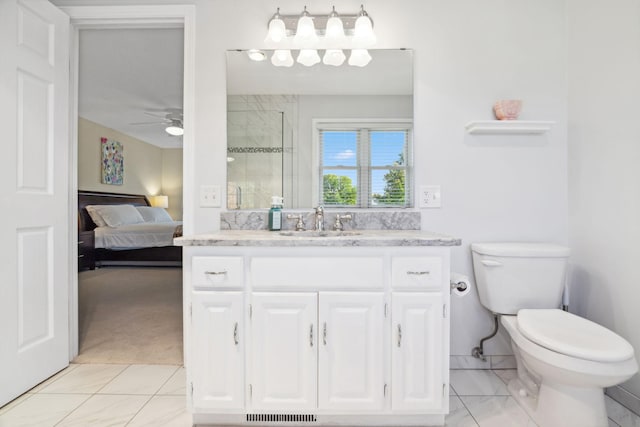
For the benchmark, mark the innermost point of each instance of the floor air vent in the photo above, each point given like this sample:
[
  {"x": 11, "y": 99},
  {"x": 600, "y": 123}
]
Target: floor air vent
[{"x": 283, "y": 418}]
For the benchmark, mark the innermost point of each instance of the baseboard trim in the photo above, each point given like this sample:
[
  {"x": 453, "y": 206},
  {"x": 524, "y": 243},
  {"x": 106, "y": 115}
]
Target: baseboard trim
[{"x": 625, "y": 398}]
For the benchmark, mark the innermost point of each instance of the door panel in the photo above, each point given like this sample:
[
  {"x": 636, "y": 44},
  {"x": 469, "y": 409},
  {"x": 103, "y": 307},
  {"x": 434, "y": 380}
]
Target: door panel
[
  {"x": 283, "y": 353},
  {"x": 416, "y": 351},
  {"x": 34, "y": 187},
  {"x": 351, "y": 351},
  {"x": 218, "y": 350}
]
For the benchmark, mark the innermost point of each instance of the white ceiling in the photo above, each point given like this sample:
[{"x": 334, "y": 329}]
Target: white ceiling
[{"x": 124, "y": 73}]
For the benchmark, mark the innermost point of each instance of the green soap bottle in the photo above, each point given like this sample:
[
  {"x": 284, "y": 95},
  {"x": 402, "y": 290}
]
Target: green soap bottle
[{"x": 275, "y": 213}]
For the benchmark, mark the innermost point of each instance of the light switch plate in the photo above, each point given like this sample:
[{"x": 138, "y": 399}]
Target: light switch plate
[
  {"x": 429, "y": 196},
  {"x": 210, "y": 196}
]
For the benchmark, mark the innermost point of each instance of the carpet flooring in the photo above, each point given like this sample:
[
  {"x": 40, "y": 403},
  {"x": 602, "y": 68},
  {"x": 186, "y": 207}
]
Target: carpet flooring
[{"x": 130, "y": 315}]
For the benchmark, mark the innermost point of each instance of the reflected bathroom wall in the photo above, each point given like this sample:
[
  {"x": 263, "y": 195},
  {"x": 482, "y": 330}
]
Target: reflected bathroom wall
[{"x": 259, "y": 150}]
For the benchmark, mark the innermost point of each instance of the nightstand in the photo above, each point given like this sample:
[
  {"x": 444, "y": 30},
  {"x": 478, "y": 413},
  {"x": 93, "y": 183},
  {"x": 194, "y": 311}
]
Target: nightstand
[{"x": 86, "y": 251}]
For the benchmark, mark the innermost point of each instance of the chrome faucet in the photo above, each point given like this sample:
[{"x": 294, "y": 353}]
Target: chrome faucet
[
  {"x": 319, "y": 218},
  {"x": 338, "y": 226}
]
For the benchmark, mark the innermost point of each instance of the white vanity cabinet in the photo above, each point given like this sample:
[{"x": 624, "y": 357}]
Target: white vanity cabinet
[{"x": 317, "y": 335}]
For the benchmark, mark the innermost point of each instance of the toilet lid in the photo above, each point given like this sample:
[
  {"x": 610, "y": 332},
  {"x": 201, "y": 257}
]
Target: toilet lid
[{"x": 574, "y": 336}]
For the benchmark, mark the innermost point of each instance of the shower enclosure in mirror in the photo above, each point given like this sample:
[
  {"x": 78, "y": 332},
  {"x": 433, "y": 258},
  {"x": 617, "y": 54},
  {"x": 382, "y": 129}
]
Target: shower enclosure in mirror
[{"x": 278, "y": 117}]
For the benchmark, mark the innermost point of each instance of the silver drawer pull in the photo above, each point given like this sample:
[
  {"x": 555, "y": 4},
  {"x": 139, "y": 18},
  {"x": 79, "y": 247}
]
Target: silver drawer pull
[
  {"x": 80, "y": 242},
  {"x": 80, "y": 256},
  {"x": 399, "y": 335},
  {"x": 418, "y": 273},
  {"x": 216, "y": 273},
  {"x": 235, "y": 334}
]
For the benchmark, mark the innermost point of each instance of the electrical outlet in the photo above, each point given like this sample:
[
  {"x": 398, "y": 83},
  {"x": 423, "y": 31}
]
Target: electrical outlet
[
  {"x": 210, "y": 196},
  {"x": 429, "y": 196}
]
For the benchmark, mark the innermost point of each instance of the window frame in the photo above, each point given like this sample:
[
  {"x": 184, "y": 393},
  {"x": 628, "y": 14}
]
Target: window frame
[{"x": 363, "y": 173}]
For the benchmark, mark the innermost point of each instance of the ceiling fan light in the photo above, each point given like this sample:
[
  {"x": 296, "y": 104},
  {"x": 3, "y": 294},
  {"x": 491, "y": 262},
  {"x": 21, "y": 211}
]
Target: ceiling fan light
[
  {"x": 256, "y": 55},
  {"x": 277, "y": 31},
  {"x": 308, "y": 57},
  {"x": 282, "y": 58},
  {"x": 333, "y": 57},
  {"x": 174, "y": 129},
  {"x": 359, "y": 57}
]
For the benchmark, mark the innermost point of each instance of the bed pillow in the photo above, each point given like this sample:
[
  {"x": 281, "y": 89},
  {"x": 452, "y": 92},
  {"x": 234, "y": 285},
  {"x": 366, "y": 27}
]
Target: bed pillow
[
  {"x": 117, "y": 215},
  {"x": 150, "y": 214},
  {"x": 95, "y": 216}
]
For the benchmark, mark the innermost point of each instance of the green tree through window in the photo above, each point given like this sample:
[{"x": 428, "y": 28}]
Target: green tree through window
[
  {"x": 394, "y": 191},
  {"x": 339, "y": 190}
]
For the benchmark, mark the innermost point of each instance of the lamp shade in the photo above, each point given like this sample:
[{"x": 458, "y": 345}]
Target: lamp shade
[
  {"x": 160, "y": 201},
  {"x": 333, "y": 57},
  {"x": 334, "y": 33},
  {"x": 277, "y": 29},
  {"x": 359, "y": 57},
  {"x": 308, "y": 57},
  {"x": 306, "y": 32},
  {"x": 282, "y": 58},
  {"x": 363, "y": 35}
]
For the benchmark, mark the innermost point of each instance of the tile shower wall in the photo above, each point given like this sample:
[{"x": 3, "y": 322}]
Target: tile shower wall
[{"x": 260, "y": 137}]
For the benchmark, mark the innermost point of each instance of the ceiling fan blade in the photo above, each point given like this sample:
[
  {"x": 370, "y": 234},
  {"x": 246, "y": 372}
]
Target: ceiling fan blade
[{"x": 148, "y": 123}]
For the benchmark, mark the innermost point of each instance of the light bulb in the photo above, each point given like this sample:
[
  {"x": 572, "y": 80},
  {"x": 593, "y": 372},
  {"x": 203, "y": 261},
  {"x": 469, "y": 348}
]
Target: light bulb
[
  {"x": 282, "y": 58},
  {"x": 334, "y": 33},
  {"x": 174, "y": 130},
  {"x": 308, "y": 57},
  {"x": 359, "y": 57},
  {"x": 333, "y": 57}
]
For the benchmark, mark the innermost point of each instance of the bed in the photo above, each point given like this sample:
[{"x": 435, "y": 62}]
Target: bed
[{"x": 137, "y": 244}]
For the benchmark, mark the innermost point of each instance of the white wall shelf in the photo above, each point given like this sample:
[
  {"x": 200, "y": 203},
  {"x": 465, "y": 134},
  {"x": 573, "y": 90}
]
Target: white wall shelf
[{"x": 507, "y": 127}]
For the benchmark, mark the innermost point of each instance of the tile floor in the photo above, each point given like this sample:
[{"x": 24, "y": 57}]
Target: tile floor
[{"x": 154, "y": 395}]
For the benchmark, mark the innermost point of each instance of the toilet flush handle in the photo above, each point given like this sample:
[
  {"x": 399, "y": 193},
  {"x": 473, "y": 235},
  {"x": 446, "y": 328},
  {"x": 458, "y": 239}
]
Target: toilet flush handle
[{"x": 491, "y": 263}]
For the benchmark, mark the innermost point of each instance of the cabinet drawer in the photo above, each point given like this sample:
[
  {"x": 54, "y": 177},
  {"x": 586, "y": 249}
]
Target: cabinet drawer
[
  {"x": 217, "y": 272},
  {"x": 416, "y": 272},
  {"x": 317, "y": 272}
]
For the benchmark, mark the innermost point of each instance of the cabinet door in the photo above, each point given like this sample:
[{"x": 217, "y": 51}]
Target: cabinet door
[
  {"x": 416, "y": 351},
  {"x": 351, "y": 351},
  {"x": 217, "y": 353},
  {"x": 284, "y": 351}
]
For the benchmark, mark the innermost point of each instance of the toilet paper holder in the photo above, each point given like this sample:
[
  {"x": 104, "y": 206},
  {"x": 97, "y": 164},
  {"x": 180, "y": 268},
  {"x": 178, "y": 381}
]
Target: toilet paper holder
[{"x": 459, "y": 286}]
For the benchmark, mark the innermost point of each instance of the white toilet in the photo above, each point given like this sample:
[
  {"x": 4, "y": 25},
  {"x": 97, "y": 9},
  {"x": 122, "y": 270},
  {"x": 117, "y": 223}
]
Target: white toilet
[{"x": 564, "y": 361}]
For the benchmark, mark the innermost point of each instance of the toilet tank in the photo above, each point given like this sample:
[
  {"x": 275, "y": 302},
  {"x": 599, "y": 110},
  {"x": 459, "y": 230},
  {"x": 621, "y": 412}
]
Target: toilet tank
[{"x": 511, "y": 276}]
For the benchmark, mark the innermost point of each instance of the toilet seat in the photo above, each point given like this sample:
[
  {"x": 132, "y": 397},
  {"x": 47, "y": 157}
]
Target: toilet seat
[{"x": 571, "y": 335}]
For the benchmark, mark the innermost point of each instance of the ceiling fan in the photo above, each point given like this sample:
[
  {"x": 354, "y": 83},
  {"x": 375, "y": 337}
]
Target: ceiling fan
[{"x": 171, "y": 119}]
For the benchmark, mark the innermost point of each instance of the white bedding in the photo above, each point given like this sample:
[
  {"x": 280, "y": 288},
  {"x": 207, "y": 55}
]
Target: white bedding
[{"x": 135, "y": 236}]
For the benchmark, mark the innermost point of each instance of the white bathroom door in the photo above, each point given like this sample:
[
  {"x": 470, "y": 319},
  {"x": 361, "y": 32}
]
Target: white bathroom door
[{"x": 34, "y": 194}]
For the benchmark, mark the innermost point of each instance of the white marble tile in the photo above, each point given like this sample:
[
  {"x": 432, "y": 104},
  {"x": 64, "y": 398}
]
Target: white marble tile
[
  {"x": 140, "y": 379},
  {"x": 497, "y": 411},
  {"x": 84, "y": 379},
  {"x": 474, "y": 382},
  {"x": 468, "y": 362},
  {"x": 176, "y": 385},
  {"x": 621, "y": 415},
  {"x": 506, "y": 375},
  {"x": 42, "y": 410},
  {"x": 503, "y": 362},
  {"x": 103, "y": 410},
  {"x": 458, "y": 415},
  {"x": 54, "y": 378},
  {"x": 163, "y": 411}
]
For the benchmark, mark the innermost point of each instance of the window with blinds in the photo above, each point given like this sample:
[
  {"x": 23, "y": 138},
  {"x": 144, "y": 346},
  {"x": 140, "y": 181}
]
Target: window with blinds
[{"x": 365, "y": 165}]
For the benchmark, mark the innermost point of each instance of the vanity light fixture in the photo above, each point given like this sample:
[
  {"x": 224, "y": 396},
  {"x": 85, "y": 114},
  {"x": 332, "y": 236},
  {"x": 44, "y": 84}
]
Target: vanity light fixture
[
  {"x": 332, "y": 33},
  {"x": 359, "y": 57},
  {"x": 277, "y": 30},
  {"x": 333, "y": 57},
  {"x": 308, "y": 57},
  {"x": 282, "y": 58}
]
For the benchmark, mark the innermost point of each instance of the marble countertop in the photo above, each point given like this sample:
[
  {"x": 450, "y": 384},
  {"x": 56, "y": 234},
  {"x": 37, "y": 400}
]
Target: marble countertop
[{"x": 314, "y": 238}]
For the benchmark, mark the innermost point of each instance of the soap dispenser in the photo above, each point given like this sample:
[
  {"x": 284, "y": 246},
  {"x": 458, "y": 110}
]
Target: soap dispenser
[{"x": 275, "y": 213}]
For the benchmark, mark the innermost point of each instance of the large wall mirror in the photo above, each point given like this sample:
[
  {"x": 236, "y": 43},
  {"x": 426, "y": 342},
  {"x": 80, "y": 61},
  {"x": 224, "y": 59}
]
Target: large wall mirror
[{"x": 289, "y": 128}]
